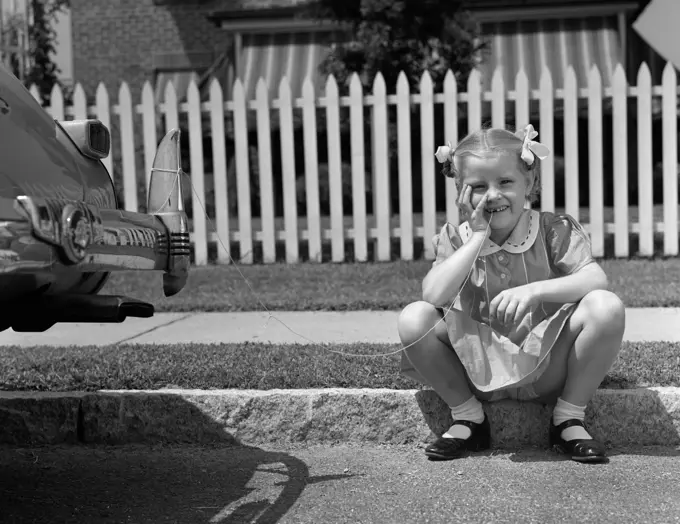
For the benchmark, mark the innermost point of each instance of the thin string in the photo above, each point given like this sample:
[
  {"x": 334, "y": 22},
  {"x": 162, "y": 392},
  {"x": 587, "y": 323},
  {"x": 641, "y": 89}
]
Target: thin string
[{"x": 271, "y": 316}]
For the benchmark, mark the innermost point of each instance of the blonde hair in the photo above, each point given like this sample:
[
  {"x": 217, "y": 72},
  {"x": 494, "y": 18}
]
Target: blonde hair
[{"x": 494, "y": 141}]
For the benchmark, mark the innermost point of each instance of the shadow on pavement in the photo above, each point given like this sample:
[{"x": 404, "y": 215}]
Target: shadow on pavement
[
  {"x": 638, "y": 420},
  {"x": 215, "y": 479}
]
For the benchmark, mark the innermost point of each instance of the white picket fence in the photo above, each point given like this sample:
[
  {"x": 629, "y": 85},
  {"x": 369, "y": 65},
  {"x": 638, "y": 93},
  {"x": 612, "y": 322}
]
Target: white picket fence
[{"x": 382, "y": 227}]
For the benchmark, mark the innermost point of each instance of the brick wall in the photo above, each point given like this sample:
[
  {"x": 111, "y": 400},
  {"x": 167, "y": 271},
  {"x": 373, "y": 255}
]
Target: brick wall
[{"x": 116, "y": 40}]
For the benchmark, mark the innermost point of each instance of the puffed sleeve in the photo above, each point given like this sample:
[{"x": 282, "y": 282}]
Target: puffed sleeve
[
  {"x": 568, "y": 245},
  {"x": 445, "y": 243}
]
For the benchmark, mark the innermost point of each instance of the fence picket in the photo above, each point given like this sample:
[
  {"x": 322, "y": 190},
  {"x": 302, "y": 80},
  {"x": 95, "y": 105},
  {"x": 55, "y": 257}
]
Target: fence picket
[
  {"x": 498, "y": 95},
  {"x": 571, "y": 152},
  {"x": 200, "y": 230},
  {"x": 670, "y": 160},
  {"x": 522, "y": 106},
  {"x": 311, "y": 171},
  {"x": 595, "y": 162},
  {"x": 620, "y": 134},
  {"x": 264, "y": 155},
  {"x": 521, "y": 99},
  {"x": 335, "y": 192},
  {"x": 450, "y": 135},
  {"x": 356, "y": 115},
  {"x": 171, "y": 109},
  {"x": 474, "y": 92},
  {"x": 381, "y": 187},
  {"x": 241, "y": 153},
  {"x": 405, "y": 186},
  {"x": 35, "y": 93},
  {"x": 428, "y": 149},
  {"x": 290, "y": 213},
  {"x": 56, "y": 107},
  {"x": 103, "y": 105},
  {"x": 645, "y": 165},
  {"x": 149, "y": 126},
  {"x": 546, "y": 136},
  {"x": 79, "y": 103},
  {"x": 221, "y": 191},
  {"x": 127, "y": 147}
]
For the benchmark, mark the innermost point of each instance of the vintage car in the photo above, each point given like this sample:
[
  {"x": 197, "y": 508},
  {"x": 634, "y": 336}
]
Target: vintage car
[{"x": 61, "y": 232}]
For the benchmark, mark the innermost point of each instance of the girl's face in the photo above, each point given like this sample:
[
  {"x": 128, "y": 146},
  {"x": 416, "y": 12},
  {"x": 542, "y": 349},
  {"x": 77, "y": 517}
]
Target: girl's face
[{"x": 508, "y": 188}]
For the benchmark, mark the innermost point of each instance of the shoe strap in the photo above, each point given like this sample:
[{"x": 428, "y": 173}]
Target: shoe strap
[
  {"x": 569, "y": 423},
  {"x": 468, "y": 423}
]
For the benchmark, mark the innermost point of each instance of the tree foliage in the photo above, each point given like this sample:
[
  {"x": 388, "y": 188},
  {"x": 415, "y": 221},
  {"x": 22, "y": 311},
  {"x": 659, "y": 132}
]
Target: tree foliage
[
  {"x": 390, "y": 36},
  {"x": 39, "y": 67}
]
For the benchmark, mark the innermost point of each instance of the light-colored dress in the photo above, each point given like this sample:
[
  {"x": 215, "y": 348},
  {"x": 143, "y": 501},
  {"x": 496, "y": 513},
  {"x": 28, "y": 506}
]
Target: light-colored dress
[{"x": 498, "y": 357}]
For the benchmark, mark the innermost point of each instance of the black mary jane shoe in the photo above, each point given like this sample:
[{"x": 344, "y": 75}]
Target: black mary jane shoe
[
  {"x": 580, "y": 450},
  {"x": 453, "y": 448}
]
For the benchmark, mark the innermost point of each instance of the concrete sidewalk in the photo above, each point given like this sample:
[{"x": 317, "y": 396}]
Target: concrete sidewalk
[{"x": 642, "y": 324}]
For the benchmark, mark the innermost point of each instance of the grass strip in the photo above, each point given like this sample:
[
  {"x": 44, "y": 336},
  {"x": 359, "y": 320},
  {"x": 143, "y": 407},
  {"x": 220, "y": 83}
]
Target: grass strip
[
  {"x": 264, "y": 367},
  {"x": 354, "y": 286}
]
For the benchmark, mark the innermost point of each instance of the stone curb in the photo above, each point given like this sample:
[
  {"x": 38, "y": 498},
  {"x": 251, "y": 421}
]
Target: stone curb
[{"x": 647, "y": 416}]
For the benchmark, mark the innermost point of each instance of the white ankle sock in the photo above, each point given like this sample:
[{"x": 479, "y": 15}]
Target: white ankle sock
[
  {"x": 565, "y": 411},
  {"x": 470, "y": 410}
]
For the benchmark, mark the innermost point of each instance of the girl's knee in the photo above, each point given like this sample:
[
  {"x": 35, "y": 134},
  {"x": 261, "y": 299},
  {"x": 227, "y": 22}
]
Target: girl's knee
[
  {"x": 604, "y": 308},
  {"x": 416, "y": 319}
]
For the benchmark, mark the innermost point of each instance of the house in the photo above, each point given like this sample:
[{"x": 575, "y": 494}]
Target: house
[
  {"x": 174, "y": 40},
  {"x": 527, "y": 34},
  {"x": 163, "y": 40}
]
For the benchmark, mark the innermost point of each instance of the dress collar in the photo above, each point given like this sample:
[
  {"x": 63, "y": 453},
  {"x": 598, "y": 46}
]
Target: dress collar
[{"x": 520, "y": 240}]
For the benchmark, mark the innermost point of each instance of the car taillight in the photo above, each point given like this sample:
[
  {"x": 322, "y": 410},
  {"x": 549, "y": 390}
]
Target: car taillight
[
  {"x": 99, "y": 138},
  {"x": 91, "y": 137}
]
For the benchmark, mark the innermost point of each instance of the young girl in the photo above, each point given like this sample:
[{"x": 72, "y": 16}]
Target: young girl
[{"x": 532, "y": 317}]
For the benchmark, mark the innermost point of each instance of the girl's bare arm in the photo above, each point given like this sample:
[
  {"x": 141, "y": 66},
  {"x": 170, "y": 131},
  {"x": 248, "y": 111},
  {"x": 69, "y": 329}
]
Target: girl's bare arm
[
  {"x": 444, "y": 280},
  {"x": 574, "y": 287}
]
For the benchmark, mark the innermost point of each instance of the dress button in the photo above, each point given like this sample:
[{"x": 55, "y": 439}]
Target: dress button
[
  {"x": 501, "y": 258},
  {"x": 503, "y": 276}
]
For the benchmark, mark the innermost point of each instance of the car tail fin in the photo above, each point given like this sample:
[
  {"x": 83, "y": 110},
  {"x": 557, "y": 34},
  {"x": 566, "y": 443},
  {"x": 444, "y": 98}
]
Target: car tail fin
[{"x": 165, "y": 201}]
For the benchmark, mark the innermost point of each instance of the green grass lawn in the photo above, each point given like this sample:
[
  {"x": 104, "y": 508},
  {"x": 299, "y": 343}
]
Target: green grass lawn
[
  {"x": 356, "y": 286},
  {"x": 264, "y": 366}
]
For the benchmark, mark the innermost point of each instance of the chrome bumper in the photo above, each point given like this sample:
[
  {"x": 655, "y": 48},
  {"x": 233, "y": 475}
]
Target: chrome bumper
[{"x": 78, "y": 235}]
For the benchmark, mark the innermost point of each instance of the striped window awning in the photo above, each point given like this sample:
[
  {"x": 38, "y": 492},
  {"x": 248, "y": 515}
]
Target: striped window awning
[
  {"x": 535, "y": 45},
  {"x": 295, "y": 56},
  {"x": 530, "y": 44}
]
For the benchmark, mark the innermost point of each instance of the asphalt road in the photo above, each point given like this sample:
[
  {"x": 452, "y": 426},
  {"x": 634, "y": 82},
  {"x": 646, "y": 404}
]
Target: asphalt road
[{"x": 331, "y": 484}]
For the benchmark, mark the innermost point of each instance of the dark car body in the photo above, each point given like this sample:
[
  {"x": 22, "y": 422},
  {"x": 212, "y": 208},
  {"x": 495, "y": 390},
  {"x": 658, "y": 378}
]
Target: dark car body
[{"x": 61, "y": 232}]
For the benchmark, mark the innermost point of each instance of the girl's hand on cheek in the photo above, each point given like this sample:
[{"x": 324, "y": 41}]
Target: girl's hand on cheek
[
  {"x": 510, "y": 305},
  {"x": 474, "y": 215}
]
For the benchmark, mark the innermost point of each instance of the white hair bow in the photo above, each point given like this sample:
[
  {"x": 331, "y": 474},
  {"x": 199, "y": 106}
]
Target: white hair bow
[
  {"x": 530, "y": 147},
  {"x": 444, "y": 153}
]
